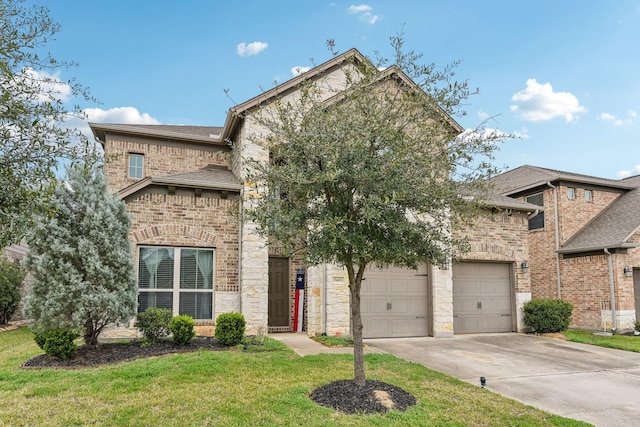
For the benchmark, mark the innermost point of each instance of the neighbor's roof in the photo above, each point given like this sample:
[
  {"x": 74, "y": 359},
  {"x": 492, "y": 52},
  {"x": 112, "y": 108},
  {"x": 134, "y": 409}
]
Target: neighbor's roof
[
  {"x": 528, "y": 177},
  {"x": 201, "y": 134},
  {"x": 212, "y": 177},
  {"x": 613, "y": 227}
]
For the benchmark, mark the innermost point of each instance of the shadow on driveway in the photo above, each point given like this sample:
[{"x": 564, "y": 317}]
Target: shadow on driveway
[{"x": 580, "y": 381}]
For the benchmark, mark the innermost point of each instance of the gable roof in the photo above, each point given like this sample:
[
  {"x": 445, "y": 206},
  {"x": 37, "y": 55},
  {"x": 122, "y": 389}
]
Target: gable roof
[
  {"x": 234, "y": 116},
  {"x": 201, "y": 134},
  {"x": 212, "y": 177},
  {"x": 528, "y": 177},
  {"x": 613, "y": 227}
]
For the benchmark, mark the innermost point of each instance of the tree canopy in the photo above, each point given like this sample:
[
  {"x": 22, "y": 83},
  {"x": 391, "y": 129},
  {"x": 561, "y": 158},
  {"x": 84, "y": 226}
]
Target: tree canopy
[
  {"x": 33, "y": 134},
  {"x": 81, "y": 260},
  {"x": 370, "y": 169}
]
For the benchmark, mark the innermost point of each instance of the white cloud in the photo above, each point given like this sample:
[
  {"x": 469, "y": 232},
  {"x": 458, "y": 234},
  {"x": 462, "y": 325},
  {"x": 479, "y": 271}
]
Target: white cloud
[
  {"x": 364, "y": 12},
  {"x": 538, "y": 102},
  {"x": 617, "y": 121},
  {"x": 296, "y": 71},
  {"x": 483, "y": 115},
  {"x": 523, "y": 133},
  {"x": 627, "y": 173},
  {"x": 251, "y": 49},
  {"x": 50, "y": 86},
  {"x": 122, "y": 115}
]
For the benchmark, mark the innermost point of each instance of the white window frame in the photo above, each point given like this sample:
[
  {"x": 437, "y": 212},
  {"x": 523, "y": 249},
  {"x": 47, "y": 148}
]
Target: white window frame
[
  {"x": 588, "y": 198},
  {"x": 135, "y": 171},
  {"x": 571, "y": 193},
  {"x": 176, "y": 289}
]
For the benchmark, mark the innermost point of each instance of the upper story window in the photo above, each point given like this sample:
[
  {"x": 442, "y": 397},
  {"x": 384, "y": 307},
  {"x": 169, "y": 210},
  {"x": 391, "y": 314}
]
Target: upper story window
[
  {"x": 537, "y": 222},
  {"x": 136, "y": 164},
  {"x": 588, "y": 195},
  {"x": 571, "y": 193}
]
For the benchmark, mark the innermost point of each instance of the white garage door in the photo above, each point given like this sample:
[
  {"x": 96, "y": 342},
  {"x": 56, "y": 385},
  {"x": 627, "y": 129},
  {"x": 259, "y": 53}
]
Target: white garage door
[
  {"x": 481, "y": 298},
  {"x": 394, "y": 302}
]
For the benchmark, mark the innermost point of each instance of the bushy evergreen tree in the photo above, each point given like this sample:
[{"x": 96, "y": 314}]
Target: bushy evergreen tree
[{"x": 81, "y": 259}]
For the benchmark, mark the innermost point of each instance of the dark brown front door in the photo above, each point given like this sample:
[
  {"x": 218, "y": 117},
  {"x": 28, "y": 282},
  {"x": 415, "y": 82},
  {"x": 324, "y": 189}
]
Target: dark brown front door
[{"x": 278, "y": 292}]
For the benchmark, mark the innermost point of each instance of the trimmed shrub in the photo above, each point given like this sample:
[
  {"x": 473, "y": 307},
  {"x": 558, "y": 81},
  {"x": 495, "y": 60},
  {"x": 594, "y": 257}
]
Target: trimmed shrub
[
  {"x": 58, "y": 343},
  {"x": 230, "y": 328},
  {"x": 11, "y": 278},
  {"x": 547, "y": 315},
  {"x": 183, "y": 329},
  {"x": 154, "y": 323}
]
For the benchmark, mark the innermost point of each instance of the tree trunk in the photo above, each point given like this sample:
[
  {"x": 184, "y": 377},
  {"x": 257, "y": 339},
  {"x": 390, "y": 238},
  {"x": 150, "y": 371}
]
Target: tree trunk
[
  {"x": 355, "y": 282},
  {"x": 90, "y": 334}
]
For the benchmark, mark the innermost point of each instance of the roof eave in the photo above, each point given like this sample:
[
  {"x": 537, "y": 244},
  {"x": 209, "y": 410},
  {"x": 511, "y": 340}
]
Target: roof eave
[
  {"x": 100, "y": 129},
  {"x": 196, "y": 184},
  {"x": 619, "y": 245}
]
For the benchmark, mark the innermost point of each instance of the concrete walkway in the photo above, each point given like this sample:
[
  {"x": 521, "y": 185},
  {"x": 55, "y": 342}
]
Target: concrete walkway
[{"x": 302, "y": 345}]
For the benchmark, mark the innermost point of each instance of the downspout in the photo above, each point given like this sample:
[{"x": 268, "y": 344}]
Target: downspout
[
  {"x": 557, "y": 230},
  {"x": 324, "y": 300},
  {"x": 612, "y": 292}
]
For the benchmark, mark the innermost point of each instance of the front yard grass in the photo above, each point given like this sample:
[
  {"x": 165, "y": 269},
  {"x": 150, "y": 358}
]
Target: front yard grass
[
  {"x": 620, "y": 342},
  {"x": 235, "y": 388}
]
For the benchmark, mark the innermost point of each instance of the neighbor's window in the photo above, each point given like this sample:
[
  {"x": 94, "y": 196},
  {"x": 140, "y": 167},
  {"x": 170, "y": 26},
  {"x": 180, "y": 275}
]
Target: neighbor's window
[
  {"x": 177, "y": 278},
  {"x": 136, "y": 162},
  {"x": 571, "y": 193},
  {"x": 537, "y": 221},
  {"x": 588, "y": 195}
]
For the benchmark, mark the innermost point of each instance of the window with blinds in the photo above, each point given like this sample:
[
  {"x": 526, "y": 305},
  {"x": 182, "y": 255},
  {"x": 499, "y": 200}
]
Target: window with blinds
[{"x": 180, "y": 279}]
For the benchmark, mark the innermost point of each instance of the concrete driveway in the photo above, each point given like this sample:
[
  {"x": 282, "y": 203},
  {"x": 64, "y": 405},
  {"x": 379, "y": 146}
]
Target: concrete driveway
[{"x": 584, "y": 382}]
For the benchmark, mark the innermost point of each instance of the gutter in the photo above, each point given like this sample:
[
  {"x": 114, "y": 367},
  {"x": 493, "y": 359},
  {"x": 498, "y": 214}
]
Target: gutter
[
  {"x": 557, "y": 232},
  {"x": 612, "y": 293}
]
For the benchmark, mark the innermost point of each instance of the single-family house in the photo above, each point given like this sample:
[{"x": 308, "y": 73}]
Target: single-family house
[
  {"x": 184, "y": 186},
  {"x": 584, "y": 244}
]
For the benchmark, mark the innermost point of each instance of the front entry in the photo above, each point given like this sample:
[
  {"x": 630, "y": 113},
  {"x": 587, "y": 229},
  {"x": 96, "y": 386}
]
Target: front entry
[{"x": 279, "y": 290}]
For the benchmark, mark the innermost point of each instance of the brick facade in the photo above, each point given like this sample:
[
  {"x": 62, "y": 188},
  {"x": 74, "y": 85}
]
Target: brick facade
[{"x": 584, "y": 277}]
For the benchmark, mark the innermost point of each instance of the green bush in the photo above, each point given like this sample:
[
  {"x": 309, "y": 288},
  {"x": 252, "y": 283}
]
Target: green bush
[
  {"x": 154, "y": 323},
  {"x": 547, "y": 315},
  {"x": 11, "y": 278},
  {"x": 230, "y": 328},
  {"x": 182, "y": 328},
  {"x": 58, "y": 343}
]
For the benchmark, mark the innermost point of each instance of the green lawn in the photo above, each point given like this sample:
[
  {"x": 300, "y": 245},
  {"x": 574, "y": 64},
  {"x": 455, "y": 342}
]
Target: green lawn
[
  {"x": 235, "y": 388},
  {"x": 621, "y": 342}
]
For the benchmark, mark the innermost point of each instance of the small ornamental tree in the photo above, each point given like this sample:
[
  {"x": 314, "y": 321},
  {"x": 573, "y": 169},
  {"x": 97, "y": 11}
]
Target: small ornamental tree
[
  {"x": 11, "y": 280},
  {"x": 81, "y": 259},
  {"x": 370, "y": 170}
]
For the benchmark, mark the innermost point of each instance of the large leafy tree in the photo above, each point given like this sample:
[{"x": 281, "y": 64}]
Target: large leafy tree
[
  {"x": 377, "y": 174},
  {"x": 33, "y": 136},
  {"x": 80, "y": 259}
]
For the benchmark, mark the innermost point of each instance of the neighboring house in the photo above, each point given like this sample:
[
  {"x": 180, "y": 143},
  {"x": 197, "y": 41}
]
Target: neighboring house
[
  {"x": 585, "y": 246},
  {"x": 184, "y": 186}
]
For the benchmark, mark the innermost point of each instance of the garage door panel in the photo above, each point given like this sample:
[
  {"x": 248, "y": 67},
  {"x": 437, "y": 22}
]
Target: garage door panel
[
  {"x": 394, "y": 302},
  {"x": 482, "y": 297}
]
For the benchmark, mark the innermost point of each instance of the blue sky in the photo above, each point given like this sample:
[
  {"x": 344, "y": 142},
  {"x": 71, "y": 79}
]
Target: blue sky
[{"x": 564, "y": 75}]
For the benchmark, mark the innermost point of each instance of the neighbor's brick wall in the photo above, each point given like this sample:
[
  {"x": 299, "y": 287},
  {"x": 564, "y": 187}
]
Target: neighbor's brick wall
[
  {"x": 576, "y": 213},
  {"x": 160, "y": 158}
]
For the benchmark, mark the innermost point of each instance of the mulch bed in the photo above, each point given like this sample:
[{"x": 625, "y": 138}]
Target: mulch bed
[
  {"x": 374, "y": 397},
  {"x": 111, "y": 353}
]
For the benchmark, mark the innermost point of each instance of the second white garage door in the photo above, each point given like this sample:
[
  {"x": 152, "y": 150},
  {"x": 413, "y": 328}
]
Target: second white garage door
[
  {"x": 481, "y": 298},
  {"x": 394, "y": 302}
]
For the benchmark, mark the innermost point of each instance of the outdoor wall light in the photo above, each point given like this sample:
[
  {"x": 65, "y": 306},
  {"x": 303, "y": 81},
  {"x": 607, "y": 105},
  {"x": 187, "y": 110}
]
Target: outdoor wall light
[
  {"x": 628, "y": 271},
  {"x": 524, "y": 266}
]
